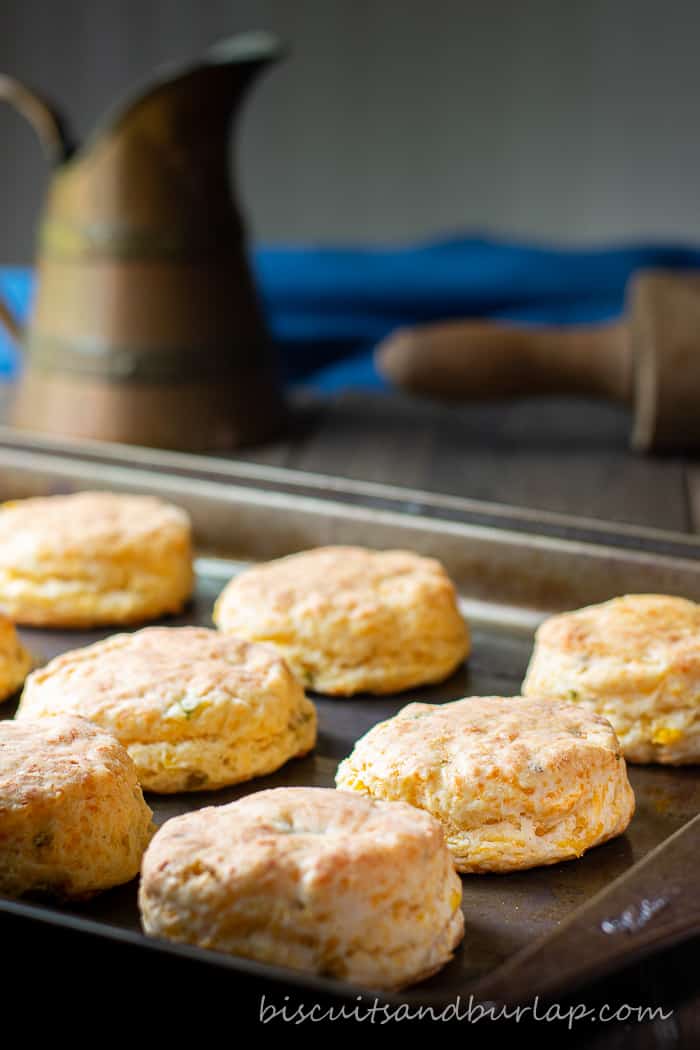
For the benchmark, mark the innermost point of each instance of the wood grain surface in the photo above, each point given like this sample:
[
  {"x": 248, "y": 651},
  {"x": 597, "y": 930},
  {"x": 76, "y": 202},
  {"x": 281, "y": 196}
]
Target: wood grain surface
[{"x": 566, "y": 455}]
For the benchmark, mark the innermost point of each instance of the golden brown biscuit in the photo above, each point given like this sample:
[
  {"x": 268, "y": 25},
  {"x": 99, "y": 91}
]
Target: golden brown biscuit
[
  {"x": 93, "y": 558},
  {"x": 514, "y": 782},
  {"x": 72, "y": 817},
  {"x": 635, "y": 660},
  {"x": 194, "y": 708},
  {"x": 351, "y": 620},
  {"x": 15, "y": 661},
  {"x": 308, "y": 878}
]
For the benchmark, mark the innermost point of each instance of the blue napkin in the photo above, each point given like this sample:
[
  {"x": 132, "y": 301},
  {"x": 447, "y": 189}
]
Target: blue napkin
[{"x": 328, "y": 307}]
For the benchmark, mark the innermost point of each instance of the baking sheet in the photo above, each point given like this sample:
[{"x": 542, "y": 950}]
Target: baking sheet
[
  {"x": 503, "y": 912},
  {"x": 511, "y": 568}
]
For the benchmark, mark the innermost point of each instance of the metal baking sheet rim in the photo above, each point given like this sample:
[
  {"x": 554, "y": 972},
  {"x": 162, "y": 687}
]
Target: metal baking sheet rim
[
  {"x": 271, "y": 973},
  {"x": 406, "y": 499},
  {"x": 503, "y": 574}
]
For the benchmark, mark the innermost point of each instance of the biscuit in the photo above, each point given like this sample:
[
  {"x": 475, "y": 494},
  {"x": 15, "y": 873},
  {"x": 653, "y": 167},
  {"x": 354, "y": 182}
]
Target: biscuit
[
  {"x": 194, "y": 708},
  {"x": 93, "y": 559},
  {"x": 351, "y": 620},
  {"x": 72, "y": 816},
  {"x": 515, "y": 783},
  {"x": 15, "y": 661},
  {"x": 308, "y": 878},
  {"x": 635, "y": 660}
]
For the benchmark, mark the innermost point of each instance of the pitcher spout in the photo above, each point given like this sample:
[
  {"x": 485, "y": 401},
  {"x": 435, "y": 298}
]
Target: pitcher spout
[
  {"x": 193, "y": 98},
  {"x": 154, "y": 176}
]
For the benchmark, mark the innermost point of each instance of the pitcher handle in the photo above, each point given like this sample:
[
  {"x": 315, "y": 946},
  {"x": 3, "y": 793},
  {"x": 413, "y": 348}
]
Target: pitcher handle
[
  {"x": 51, "y": 132},
  {"x": 10, "y": 323},
  {"x": 49, "y": 126}
]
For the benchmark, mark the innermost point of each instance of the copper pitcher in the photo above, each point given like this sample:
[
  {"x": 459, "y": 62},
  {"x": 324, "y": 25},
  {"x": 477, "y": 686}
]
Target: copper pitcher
[{"x": 146, "y": 327}]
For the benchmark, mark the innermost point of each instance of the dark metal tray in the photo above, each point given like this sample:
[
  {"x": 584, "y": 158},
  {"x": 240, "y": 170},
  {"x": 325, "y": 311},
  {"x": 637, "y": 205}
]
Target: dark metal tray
[{"x": 504, "y": 913}]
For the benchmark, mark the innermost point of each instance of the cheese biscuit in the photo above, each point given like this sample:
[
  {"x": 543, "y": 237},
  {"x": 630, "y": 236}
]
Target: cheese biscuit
[
  {"x": 515, "y": 783},
  {"x": 73, "y": 820},
  {"x": 308, "y": 878},
  {"x": 15, "y": 661},
  {"x": 194, "y": 708},
  {"x": 350, "y": 620},
  {"x": 635, "y": 660},
  {"x": 93, "y": 559}
]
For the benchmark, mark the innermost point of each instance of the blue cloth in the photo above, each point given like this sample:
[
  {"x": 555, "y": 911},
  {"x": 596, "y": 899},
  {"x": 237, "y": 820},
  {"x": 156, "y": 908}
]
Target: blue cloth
[
  {"x": 16, "y": 292},
  {"x": 328, "y": 307}
]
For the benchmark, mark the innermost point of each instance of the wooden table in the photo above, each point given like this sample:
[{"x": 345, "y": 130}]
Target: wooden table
[{"x": 569, "y": 456}]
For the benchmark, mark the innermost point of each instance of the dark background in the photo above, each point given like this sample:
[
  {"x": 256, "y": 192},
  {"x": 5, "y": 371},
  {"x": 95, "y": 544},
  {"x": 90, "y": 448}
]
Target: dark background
[{"x": 397, "y": 119}]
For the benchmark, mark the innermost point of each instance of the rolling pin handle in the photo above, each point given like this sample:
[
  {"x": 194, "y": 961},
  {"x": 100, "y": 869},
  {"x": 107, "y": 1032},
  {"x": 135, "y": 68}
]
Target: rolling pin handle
[{"x": 478, "y": 360}]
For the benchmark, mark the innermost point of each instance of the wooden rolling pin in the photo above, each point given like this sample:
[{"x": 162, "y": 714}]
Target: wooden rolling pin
[{"x": 650, "y": 360}]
